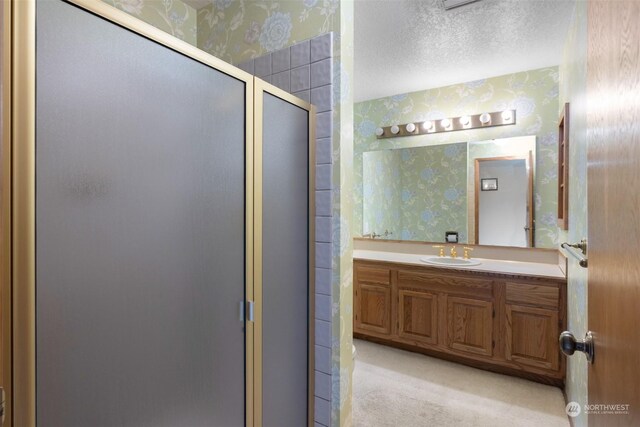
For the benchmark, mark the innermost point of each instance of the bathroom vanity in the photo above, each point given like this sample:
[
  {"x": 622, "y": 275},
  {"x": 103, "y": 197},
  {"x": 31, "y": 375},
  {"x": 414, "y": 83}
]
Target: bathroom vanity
[{"x": 503, "y": 316}]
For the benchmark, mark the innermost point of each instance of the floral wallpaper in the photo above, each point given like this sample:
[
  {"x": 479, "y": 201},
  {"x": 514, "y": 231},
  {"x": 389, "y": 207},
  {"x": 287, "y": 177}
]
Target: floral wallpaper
[
  {"x": 342, "y": 154},
  {"x": 534, "y": 94},
  {"x": 238, "y": 30},
  {"x": 416, "y": 193},
  {"x": 434, "y": 192},
  {"x": 382, "y": 189},
  {"x": 573, "y": 89},
  {"x": 172, "y": 16}
]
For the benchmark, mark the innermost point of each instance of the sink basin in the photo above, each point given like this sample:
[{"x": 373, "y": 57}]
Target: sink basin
[{"x": 452, "y": 262}]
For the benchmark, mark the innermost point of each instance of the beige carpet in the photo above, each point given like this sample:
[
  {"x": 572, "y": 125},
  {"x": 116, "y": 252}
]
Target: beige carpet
[{"x": 397, "y": 388}]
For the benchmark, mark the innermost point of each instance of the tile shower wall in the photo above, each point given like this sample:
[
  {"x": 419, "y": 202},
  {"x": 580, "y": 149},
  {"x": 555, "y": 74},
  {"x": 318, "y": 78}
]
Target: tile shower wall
[
  {"x": 573, "y": 89},
  {"x": 534, "y": 94},
  {"x": 173, "y": 17},
  {"x": 305, "y": 70}
]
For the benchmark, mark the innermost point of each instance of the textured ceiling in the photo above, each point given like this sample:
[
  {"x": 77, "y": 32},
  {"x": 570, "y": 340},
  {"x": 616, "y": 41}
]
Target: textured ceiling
[{"x": 408, "y": 45}]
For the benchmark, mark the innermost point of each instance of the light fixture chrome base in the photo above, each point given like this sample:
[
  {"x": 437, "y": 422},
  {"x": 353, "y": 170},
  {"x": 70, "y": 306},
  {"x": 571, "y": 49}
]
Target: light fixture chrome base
[{"x": 450, "y": 124}]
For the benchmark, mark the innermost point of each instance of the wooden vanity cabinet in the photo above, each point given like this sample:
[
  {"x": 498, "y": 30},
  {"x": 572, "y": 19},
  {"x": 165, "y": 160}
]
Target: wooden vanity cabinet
[
  {"x": 372, "y": 300},
  {"x": 504, "y": 323}
]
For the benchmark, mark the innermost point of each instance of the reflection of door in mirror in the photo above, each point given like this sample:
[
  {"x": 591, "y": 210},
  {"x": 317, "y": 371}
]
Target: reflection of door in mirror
[{"x": 504, "y": 201}]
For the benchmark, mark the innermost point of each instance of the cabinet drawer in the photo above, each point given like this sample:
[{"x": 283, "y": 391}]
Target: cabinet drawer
[
  {"x": 380, "y": 276},
  {"x": 449, "y": 284},
  {"x": 538, "y": 295}
]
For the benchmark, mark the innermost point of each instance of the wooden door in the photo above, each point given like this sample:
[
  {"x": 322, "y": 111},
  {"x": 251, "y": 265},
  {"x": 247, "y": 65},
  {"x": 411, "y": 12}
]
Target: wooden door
[
  {"x": 532, "y": 336},
  {"x": 418, "y": 316},
  {"x": 470, "y": 325},
  {"x": 613, "y": 83}
]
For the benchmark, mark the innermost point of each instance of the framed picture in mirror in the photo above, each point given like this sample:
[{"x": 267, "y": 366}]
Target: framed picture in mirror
[{"x": 489, "y": 184}]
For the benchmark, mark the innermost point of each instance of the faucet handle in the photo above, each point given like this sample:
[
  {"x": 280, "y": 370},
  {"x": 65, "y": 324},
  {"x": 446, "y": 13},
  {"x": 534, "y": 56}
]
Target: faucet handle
[
  {"x": 466, "y": 252},
  {"x": 441, "y": 247}
]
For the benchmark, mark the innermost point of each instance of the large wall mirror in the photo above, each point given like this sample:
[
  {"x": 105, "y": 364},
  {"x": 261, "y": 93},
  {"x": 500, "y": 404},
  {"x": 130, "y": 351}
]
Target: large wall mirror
[{"x": 479, "y": 192}]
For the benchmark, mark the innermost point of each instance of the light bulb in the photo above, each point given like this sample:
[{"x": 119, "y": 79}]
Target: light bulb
[
  {"x": 395, "y": 129},
  {"x": 379, "y": 131},
  {"x": 464, "y": 120},
  {"x": 485, "y": 118},
  {"x": 410, "y": 127},
  {"x": 445, "y": 123},
  {"x": 507, "y": 115},
  {"x": 428, "y": 125}
]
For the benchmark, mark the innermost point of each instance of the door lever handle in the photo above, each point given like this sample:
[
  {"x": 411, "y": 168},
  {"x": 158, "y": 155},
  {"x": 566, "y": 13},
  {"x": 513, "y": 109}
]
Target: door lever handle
[{"x": 569, "y": 345}]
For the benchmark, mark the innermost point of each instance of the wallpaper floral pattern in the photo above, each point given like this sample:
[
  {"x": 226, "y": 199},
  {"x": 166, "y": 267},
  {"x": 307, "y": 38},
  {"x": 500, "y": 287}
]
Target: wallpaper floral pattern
[
  {"x": 342, "y": 15},
  {"x": 416, "y": 193},
  {"x": 573, "y": 89},
  {"x": 534, "y": 94},
  {"x": 434, "y": 192},
  {"x": 238, "y": 30},
  {"x": 172, "y": 16},
  {"x": 382, "y": 189}
]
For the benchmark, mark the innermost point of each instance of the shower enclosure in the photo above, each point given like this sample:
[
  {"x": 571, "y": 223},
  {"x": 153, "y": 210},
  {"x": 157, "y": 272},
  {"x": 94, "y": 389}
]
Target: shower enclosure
[{"x": 161, "y": 230}]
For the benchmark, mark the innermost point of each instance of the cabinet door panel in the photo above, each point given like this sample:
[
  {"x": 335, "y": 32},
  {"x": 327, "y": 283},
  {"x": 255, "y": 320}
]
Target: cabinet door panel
[
  {"x": 374, "y": 308},
  {"x": 532, "y": 336},
  {"x": 470, "y": 325},
  {"x": 418, "y": 316}
]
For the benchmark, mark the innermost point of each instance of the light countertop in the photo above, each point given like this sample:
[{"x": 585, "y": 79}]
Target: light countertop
[{"x": 488, "y": 265}]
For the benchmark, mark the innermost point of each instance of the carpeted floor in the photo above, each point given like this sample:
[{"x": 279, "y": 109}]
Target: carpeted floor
[{"x": 397, "y": 388}]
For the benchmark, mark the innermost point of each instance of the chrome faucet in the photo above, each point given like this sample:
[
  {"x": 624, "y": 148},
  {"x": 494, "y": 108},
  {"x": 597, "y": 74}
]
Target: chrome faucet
[
  {"x": 374, "y": 235},
  {"x": 371, "y": 235}
]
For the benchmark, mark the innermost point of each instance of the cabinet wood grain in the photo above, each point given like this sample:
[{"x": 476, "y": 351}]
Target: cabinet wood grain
[
  {"x": 500, "y": 322},
  {"x": 470, "y": 325},
  {"x": 418, "y": 316},
  {"x": 532, "y": 336}
]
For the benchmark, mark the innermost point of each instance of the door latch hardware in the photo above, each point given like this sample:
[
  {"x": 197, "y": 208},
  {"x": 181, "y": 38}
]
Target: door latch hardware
[{"x": 569, "y": 345}]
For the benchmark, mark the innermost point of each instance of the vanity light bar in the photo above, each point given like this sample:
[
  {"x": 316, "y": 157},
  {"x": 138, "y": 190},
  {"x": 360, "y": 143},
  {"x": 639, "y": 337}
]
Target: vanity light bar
[{"x": 476, "y": 121}]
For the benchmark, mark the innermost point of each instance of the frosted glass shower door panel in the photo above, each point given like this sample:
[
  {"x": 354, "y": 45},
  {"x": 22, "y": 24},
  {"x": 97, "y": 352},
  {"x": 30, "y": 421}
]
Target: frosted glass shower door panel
[
  {"x": 285, "y": 276},
  {"x": 140, "y": 224}
]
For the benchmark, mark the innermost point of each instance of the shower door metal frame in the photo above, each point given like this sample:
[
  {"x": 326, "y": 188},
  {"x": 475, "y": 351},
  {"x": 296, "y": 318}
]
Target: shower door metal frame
[
  {"x": 260, "y": 88},
  {"x": 18, "y": 192}
]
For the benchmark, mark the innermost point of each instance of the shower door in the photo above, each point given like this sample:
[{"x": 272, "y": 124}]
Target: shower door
[
  {"x": 140, "y": 229},
  {"x": 285, "y": 151}
]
